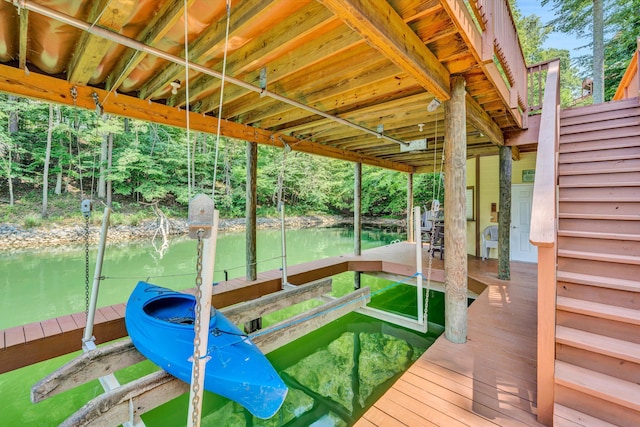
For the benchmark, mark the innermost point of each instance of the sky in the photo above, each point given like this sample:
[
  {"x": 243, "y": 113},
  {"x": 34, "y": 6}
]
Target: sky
[{"x": 557, "y": 40}]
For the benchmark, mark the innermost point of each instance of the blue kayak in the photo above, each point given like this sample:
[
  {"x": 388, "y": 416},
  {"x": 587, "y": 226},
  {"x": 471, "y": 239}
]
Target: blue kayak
[{"x": 160, "y": 323}]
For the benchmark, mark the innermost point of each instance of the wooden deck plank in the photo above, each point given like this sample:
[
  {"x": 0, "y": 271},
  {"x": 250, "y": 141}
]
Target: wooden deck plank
[
  {"x": 397, "y": 410},
  {"x": 120, "y": 309},
  {"x": 33, "y": 331},
  {"x": 491, "y": 379},
  {"x": 380, "y": 418},
  {"x": 66, "y": 323},
  {"x": 2, "y": 341},
  {"x": 51, "y": 327},
  {"x": 109, "y": 313},
  {"x": 414, "y": 405},
  {"x": 14, "y": 336}
]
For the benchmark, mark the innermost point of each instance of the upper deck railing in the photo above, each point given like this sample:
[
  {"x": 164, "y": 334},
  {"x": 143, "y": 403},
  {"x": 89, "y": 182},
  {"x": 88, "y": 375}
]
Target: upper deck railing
[{"x": 490, "y": 31}]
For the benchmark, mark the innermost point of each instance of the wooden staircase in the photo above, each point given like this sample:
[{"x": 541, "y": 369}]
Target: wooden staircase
[{"x": 597, "y": 368}]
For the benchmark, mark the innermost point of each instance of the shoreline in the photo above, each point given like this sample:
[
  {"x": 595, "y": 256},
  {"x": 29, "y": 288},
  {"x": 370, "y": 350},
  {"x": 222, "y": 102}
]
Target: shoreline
[{"x": 13, "y": 236}]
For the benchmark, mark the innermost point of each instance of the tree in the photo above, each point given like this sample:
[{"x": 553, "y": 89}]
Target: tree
[
  {"x": 533, "y": 33},
  {"x": 623, "y": 23},
  {"x": 45, "y": 173},
  {"x": 585, "y": 18}
]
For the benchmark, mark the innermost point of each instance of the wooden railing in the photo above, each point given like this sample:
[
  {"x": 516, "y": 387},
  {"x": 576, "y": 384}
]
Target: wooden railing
[
  {"x": 536, "y": 80},
  {"x": 490, "y": 32},
  {"x": 629, "y": 86},
  {"x": 500, "y": 38},
  {"x": 543, "y": 235}
]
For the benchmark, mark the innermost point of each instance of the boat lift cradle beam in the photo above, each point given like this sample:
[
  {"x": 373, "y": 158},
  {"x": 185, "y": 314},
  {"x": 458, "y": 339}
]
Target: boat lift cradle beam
[{"x": 139, "y": 396}]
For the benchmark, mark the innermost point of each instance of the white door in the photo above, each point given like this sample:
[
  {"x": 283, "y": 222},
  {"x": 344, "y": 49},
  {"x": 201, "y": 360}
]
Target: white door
[{"x": 521, "y": 201}]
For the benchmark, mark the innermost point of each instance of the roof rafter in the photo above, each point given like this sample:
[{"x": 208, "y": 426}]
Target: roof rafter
[
  {"x": 162, "y": 22},
  {"x": 385, "y": 30},
  {"x": 24, "y": 28},
  {"x": 111, "y": 14}
]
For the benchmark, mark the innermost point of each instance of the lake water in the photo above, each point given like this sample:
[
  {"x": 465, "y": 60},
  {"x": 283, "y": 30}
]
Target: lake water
[{"x": 333, "y": 373}]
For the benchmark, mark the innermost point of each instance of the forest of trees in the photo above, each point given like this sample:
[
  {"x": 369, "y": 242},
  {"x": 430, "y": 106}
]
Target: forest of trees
[{"x": 47, "y": 151}]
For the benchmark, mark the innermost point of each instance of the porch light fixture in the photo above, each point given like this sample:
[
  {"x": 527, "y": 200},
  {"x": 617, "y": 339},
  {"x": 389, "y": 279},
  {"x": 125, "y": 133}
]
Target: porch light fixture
[{"x": 175, "y": 85}]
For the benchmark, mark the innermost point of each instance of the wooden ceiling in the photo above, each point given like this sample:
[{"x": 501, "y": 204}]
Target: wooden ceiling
[{"x": 349, "y": 79}]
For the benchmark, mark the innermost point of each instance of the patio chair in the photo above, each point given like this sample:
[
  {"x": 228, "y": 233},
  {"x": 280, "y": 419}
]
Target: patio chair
[{"x": 489, "y": 240}]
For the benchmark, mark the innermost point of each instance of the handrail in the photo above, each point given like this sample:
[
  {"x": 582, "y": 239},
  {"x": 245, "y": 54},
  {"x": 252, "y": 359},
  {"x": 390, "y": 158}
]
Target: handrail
[
  {"x": 535, "y": 86},
  {"x": 543, "y": 214},
  {"x": 543, "y": 235},
  {"x": 629, "y": 86}
]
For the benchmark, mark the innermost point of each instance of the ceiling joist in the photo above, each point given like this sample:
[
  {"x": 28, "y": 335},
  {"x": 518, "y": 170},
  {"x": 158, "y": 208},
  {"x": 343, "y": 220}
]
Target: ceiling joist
[{"x": 381, "y": 26}]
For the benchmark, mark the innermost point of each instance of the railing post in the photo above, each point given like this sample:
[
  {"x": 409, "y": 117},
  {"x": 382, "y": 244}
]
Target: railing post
[{"x": 543, "y": 235}]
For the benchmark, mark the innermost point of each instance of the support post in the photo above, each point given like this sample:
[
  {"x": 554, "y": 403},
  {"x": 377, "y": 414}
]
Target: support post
[
  {"x": 504, "y": 215},
  {"x": 91, "y": 314},
  {"x": 283, "y": 234},
  {"x": 420, "y": 303},
  {"x": 357, "y": 218},
  {"x": 202, "y": 216},
  {"x": 455, "y": 263},
  {"x": 250, "y": 210},
  {"x": 410, "y": 233}
]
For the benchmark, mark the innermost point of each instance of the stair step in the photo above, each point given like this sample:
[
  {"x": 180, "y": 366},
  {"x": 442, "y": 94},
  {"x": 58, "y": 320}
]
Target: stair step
[
  {"x": 596, "y": 309},
  {"x": 616, "y": 126},
  {"x": 610, "y": 154},
  {"x": 600, "y": 135},
  {"x": 597, "y": 145},
  {"x": 601, "y": 386},
  {"x": 600, "y": 116},
  {"x": 614, "y": 258},
  {"x": 599, "y": 281},
  {"x": 606, "y": 194},
  {"x": 567, "y": 417},
  {"x": 599, "y": 167},
  {"x": 608, "y": 217},
  {"x": 598, "y": 108},
  {"x": 599, "y": 235},
  {"x": 612, "y": 347},
  {"x": 598, "y": 182}
]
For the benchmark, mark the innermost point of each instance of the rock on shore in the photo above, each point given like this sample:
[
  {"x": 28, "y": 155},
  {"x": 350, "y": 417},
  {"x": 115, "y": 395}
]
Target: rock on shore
[{"x": 17, "y": 237}]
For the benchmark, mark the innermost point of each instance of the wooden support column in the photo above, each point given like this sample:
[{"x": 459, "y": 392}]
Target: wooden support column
[
  {"x": 410, "y": 237},
  {"x": 250, "y": 210},
  {"x": 455, "y": 261},
  {"x": 504, "y": 215},
  {"x": 357, "y": 218}
]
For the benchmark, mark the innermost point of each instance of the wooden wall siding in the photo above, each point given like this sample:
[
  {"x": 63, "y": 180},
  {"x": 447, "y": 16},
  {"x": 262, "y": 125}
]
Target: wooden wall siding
[
  {"x": 305, "y": 48},
  {"x": 488, "y": 381},
  {"x": 597, "y": 369}
]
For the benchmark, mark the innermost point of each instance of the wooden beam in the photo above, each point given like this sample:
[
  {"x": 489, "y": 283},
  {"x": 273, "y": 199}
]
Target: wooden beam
[
  {"x": 50, "y": 89},
  {"x": 455, "y": 260},
  {"x": 86, "y": 367},
  {"x": 262, "y": 306},
  {"x": 209, "y": 43},
  {"x": 381, "y": 26},
  {"x": 288, "y": 330},
  {"x": 111, "y": 14},
  {"x": 482, "y": 121},
  {"x": 504, "y": 215},
  {"x": 250, "y": 211},
  {"x": 162, "y": 22},
  {"x": 24, "y": 38},
  {"x": 515, "y": 153}
]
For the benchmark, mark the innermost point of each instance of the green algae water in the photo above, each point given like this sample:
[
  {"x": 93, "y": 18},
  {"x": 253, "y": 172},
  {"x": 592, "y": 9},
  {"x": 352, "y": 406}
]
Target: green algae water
[{"x": 334, "y": 373}]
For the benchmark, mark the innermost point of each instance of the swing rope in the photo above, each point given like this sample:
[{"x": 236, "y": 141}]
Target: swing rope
[
  {"x": 433, "y": 216},
  {"x": 224, "y": 73}
]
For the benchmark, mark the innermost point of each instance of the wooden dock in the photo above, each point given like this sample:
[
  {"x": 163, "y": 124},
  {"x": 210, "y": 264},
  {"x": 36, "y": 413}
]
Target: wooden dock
[
  {"x": 488, "y": 381},
  {"x": 35, "y": 342}
]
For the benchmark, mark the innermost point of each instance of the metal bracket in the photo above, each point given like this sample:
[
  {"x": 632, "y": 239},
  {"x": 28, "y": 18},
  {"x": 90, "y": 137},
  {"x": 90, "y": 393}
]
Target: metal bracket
[{"x": 200, "y": 216}]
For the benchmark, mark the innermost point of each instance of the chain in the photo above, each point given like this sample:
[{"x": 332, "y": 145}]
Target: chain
[
  {"x": 195, "y": 386},
  {"x": 86, "y": 263}
]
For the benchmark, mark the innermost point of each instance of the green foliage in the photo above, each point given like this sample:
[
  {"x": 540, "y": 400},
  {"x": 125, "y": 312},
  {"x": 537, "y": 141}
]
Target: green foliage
[{"x": 31, "y": 221}]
